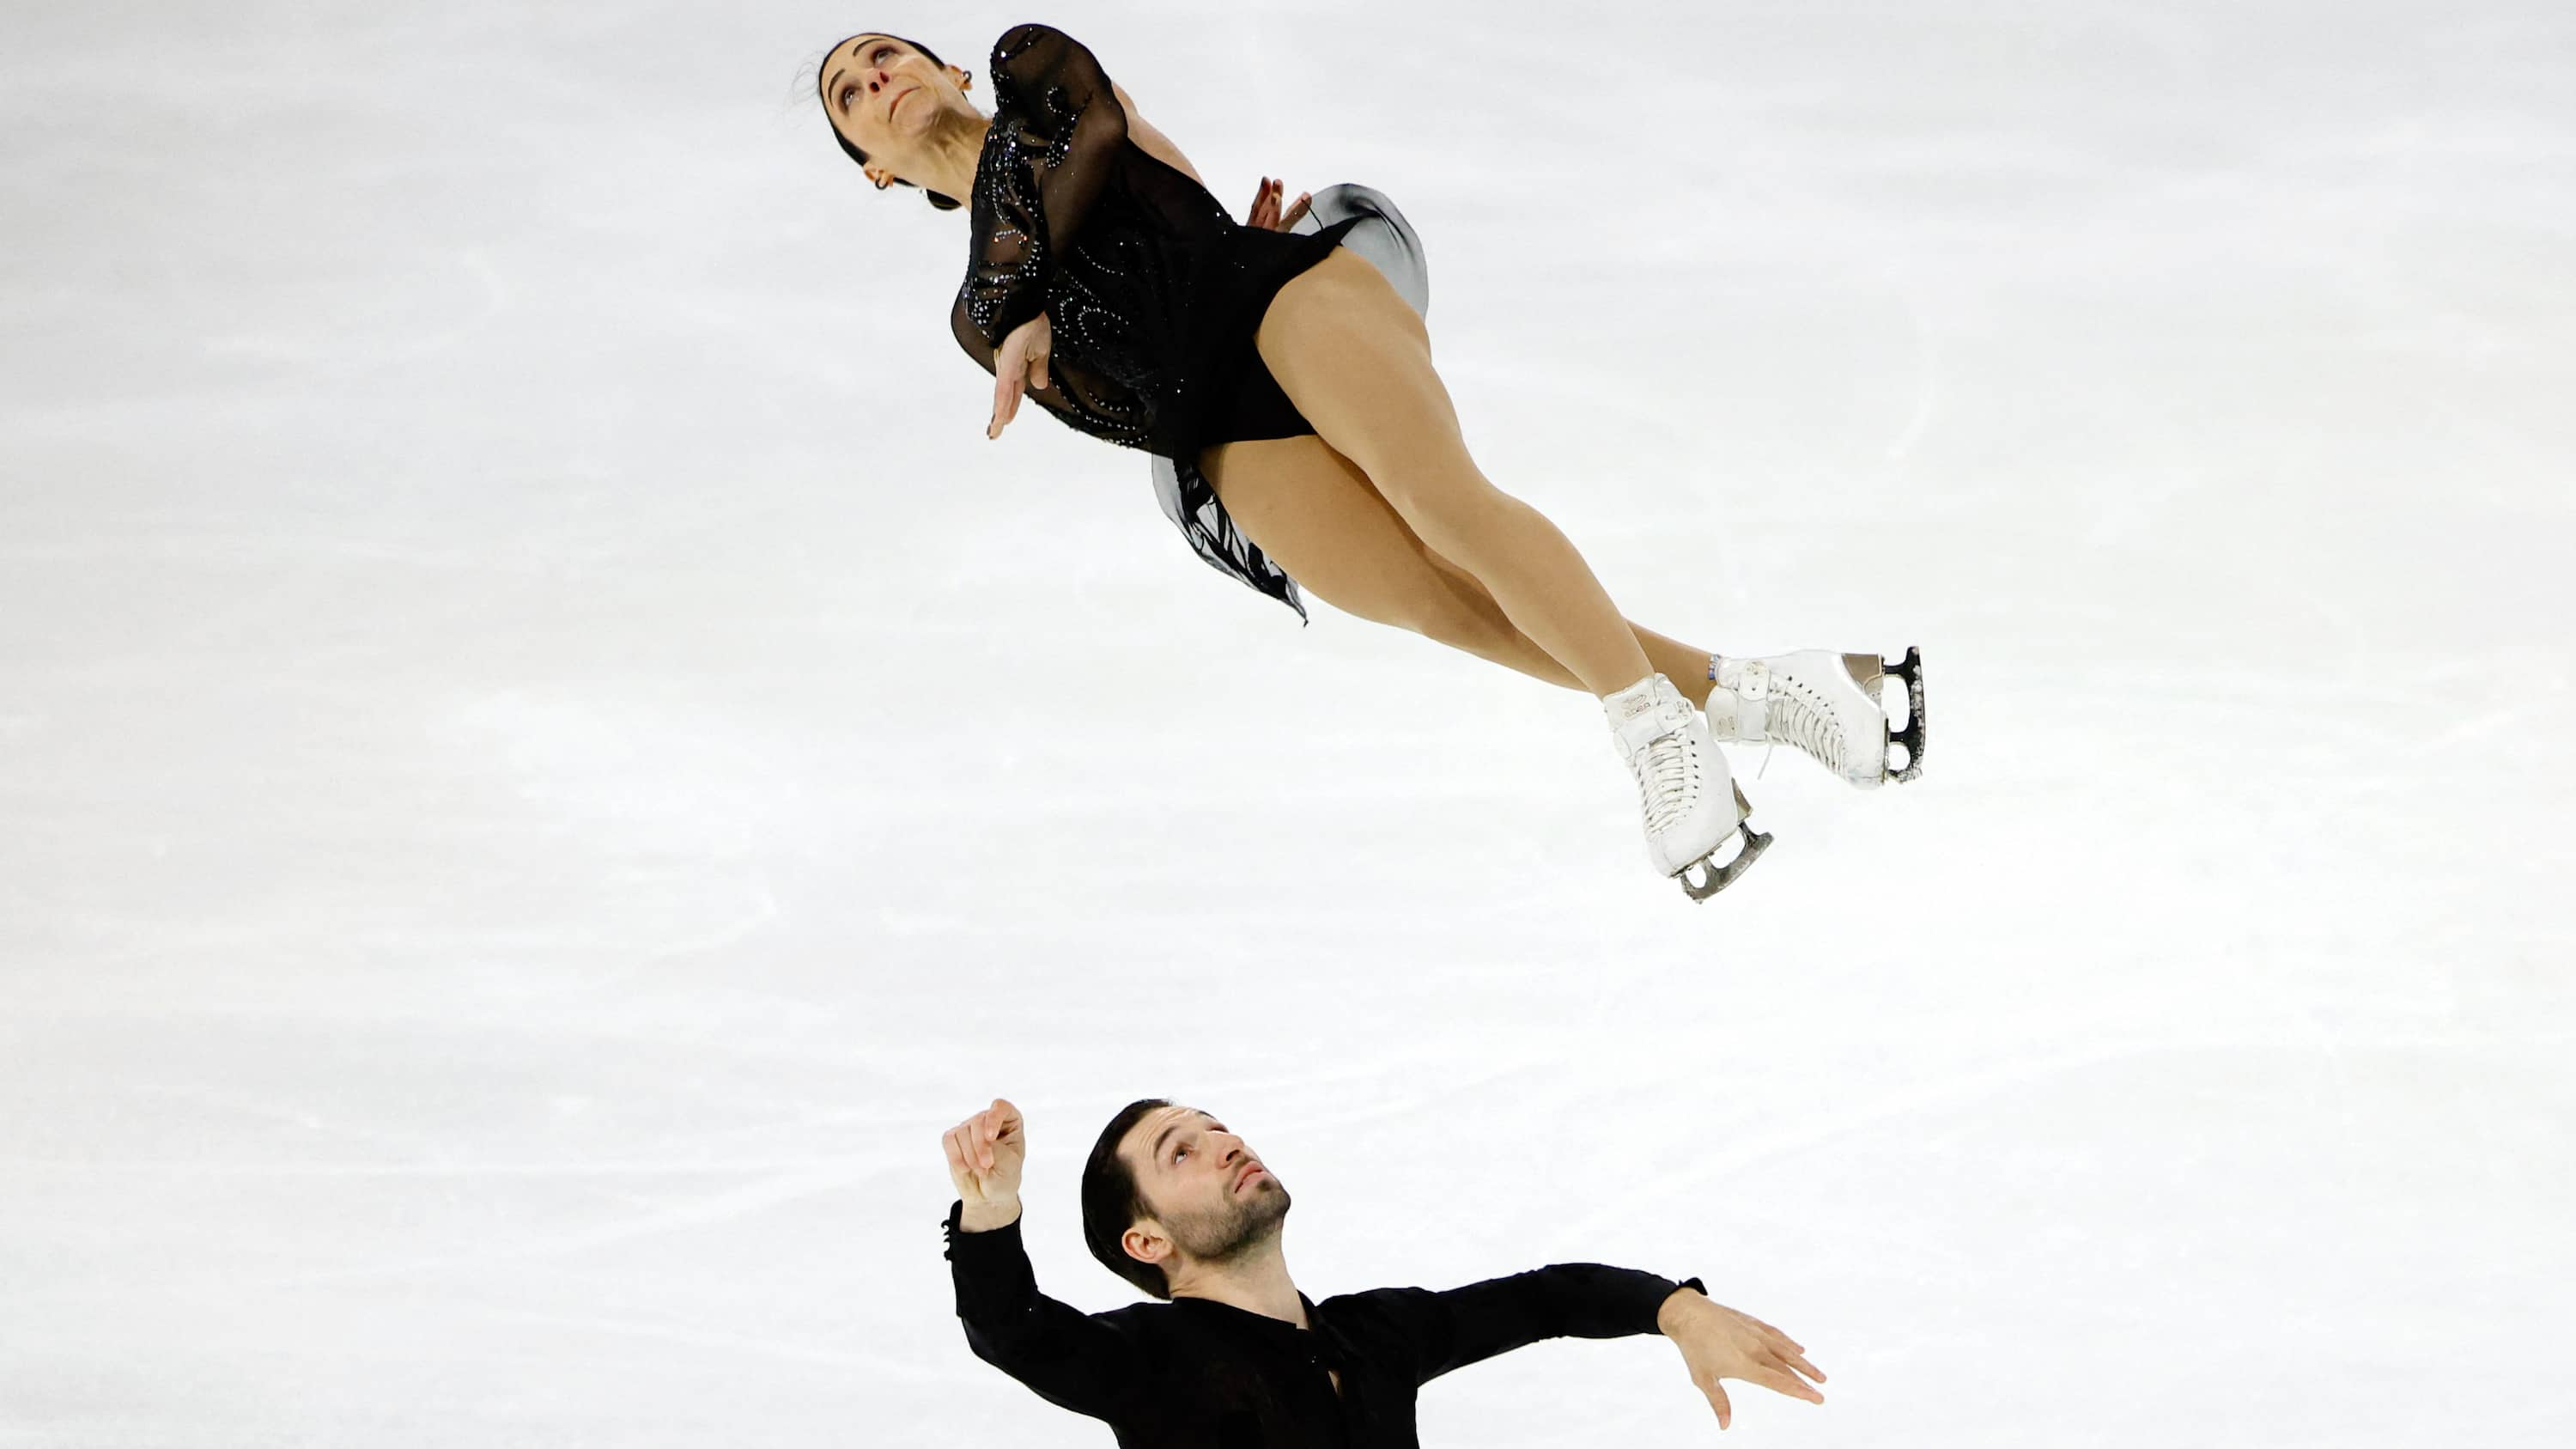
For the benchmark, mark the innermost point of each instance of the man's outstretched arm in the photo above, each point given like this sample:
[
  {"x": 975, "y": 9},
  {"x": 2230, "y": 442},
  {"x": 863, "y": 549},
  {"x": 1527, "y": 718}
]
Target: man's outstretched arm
[
  {"x": 1068, "y": 1357},
  {"x": 1588, "y": 1300}
]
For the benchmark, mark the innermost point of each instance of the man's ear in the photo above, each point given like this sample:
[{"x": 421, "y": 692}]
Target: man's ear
[{"x": 1144, "y": 1242}]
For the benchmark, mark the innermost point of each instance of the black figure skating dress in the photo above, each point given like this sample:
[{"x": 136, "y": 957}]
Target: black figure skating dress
[{"x": 1152, "y": 291}]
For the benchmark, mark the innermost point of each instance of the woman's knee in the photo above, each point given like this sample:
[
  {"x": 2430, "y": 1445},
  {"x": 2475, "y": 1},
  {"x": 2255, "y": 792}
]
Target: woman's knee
[
  {"x": 1455, "y": 610},
  {"x": 1453, "y": 509}
]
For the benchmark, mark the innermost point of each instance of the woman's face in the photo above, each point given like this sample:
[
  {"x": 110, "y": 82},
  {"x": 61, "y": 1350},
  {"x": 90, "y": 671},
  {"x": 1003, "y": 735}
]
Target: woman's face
[{"x": 887, "y": 99}]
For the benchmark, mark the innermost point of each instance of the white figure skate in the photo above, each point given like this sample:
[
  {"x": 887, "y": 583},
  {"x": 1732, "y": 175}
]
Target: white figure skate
[
  {"x": 1833, "y": 706},
  {"x": 1689, "y": 797}
]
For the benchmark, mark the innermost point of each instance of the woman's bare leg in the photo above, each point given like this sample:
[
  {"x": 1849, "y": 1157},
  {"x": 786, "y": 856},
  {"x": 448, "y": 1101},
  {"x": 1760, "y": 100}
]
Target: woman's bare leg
[
  {"x": 1357, "y": 363},
  {"x": 1316, "y": 514}
]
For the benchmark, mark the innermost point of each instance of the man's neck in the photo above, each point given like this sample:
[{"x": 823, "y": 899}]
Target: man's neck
[{"x": 1258, "y": 1282}]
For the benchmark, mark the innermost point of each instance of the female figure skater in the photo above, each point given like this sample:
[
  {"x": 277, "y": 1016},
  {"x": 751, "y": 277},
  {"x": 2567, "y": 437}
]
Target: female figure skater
[{"x": 1292, "y": 389}]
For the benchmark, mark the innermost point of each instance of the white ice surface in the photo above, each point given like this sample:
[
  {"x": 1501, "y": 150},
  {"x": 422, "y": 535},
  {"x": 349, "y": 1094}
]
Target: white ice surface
[{"x": 543, "y": 758}]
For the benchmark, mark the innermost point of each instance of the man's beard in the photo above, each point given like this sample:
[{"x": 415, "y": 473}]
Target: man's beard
[{"x": 1224, "y": 1234}]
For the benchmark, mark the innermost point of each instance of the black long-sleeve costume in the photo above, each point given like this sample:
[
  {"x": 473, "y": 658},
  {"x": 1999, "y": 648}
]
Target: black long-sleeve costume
[
  {"x": 1152, "y": 292},
  {"x": 1198, "y": 1373}
]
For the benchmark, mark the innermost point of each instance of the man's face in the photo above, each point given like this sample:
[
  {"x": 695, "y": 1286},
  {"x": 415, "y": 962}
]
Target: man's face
[{"x": 1208, "y": 1193}]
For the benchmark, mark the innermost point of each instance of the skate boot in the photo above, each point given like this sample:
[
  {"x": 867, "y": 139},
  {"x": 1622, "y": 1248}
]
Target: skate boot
[
  {"x": 1833, "y": 706},
  {"x": 1692, "y": 806}
]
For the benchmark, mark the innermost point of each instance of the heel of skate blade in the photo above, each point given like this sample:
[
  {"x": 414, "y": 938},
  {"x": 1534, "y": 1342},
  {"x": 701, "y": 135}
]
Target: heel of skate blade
[
  {"x": 1719, "y": 877},
  {"x": 1911, "y": 737}
]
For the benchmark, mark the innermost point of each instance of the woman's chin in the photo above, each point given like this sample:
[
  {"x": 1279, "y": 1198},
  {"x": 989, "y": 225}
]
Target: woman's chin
[{"x": 918, "y": 114}]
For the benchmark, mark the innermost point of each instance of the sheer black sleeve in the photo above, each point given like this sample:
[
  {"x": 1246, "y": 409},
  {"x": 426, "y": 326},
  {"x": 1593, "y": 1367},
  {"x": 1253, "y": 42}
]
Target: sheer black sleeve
[
  {"x": 1066, "y": 127},
  {"x": 1075, "y": 394}
]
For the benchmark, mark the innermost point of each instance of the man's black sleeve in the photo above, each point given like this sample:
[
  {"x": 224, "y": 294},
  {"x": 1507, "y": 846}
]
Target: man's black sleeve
[
  {"x": 1570, "y": 1300},
  {"x": 1073, "y": 1360}
]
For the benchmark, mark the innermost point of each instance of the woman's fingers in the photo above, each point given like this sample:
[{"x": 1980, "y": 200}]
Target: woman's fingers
[
  {"x": 1270, "y": 211},
  {"x": 1006, "y": 385},
  {"x": 1038, "y": 371},
  {"x": 1009, "y": 381},
  {"x": 1297, "y": 213}
]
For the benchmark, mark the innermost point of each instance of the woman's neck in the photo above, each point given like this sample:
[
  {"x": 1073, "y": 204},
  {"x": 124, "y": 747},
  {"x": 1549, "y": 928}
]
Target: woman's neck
[{"x": 949, "y": 168}]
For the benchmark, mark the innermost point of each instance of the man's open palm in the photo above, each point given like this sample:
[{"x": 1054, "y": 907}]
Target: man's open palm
[{"x": 1719, "y": 1343}]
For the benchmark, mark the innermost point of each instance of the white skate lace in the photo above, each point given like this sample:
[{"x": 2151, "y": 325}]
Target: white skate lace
[
  {"x": 1664, "y": 780},
  {"x": 1800, "y": 723}
]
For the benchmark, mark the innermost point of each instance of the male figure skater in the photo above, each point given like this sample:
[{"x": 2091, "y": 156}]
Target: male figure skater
[{"x": 1179, "y": 1206}]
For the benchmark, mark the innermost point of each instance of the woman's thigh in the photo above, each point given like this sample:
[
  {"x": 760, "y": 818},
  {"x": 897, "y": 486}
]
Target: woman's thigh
[
  {"x": 1356, "y": 361},
  {"x": 1317, "y": 515}
]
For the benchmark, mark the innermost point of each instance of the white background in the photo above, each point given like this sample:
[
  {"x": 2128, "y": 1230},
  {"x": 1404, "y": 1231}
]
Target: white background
[{"x": 543, "y": 758}]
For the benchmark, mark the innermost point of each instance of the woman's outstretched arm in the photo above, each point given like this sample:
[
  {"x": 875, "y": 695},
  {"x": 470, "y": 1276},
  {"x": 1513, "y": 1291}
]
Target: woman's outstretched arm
[
  {"x": 1057, "y": 96},
  {"x": 1271, "y": 209},
  {"x": 1150, "y": 139}
]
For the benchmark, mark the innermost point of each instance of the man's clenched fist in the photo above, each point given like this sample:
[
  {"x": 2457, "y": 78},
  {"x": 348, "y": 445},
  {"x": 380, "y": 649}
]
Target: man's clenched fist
[{"x": 984, "y": 1156}]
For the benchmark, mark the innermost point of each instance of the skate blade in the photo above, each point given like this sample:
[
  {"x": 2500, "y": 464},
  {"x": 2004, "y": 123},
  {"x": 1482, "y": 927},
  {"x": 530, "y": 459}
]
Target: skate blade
[
  {"x": 1911, "y": 737},
  {"x": 1870, "y": 673},
  {"x": 1718, "y": 877}
]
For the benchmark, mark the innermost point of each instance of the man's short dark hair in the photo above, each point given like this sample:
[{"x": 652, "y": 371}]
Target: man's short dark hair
[{"x": 1111, "y": 1201}]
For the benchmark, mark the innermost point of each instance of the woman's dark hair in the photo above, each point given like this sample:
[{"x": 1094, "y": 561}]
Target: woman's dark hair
[
  {"x": 1111, "y": 1204},
  {"x": 944, "y": 203}
]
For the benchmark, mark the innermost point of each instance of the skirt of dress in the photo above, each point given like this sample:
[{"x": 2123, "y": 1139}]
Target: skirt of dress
[{"x": 1244, "y": 401}]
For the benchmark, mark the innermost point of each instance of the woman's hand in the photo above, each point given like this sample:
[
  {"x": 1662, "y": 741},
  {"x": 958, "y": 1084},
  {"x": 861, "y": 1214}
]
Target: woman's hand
[
  {"x": 1719, "y": 1343},
  {"x": 1020, "y": 364},
  {"x": 1266, "y": 212}
]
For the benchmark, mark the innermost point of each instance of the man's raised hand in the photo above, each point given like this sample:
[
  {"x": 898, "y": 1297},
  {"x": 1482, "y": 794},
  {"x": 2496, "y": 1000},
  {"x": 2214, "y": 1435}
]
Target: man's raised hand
[
  {"x": 1719, "y": 1343},
  {"x": 984, "y": 1156}
]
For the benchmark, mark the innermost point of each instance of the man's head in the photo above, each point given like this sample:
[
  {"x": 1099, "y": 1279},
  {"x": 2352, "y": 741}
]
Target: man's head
[{"x": 1167, "y": 1188}]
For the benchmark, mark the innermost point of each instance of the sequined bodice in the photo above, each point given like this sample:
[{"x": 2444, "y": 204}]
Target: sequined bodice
[{"x": 1073, "y": 219}]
